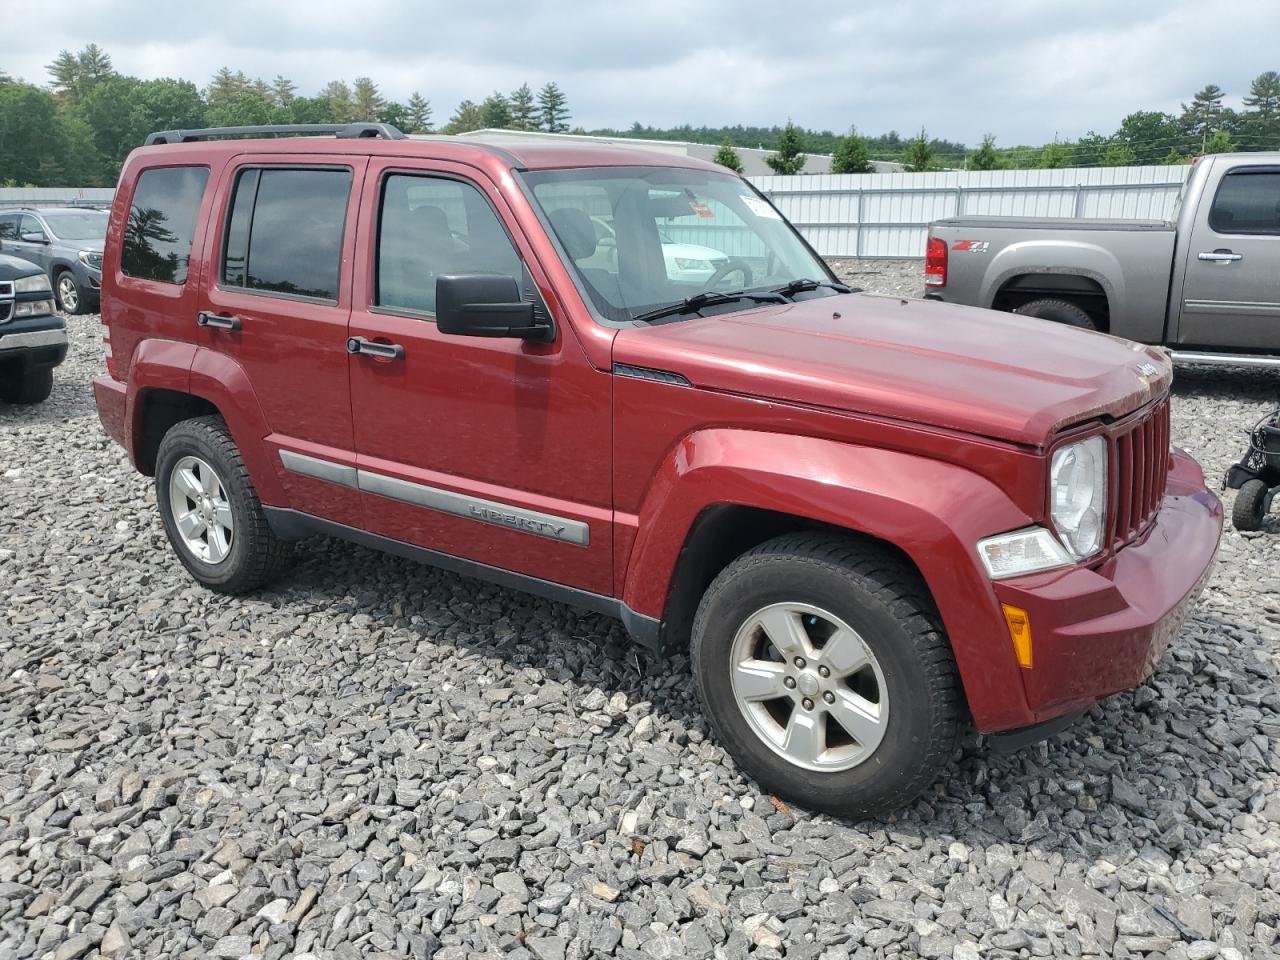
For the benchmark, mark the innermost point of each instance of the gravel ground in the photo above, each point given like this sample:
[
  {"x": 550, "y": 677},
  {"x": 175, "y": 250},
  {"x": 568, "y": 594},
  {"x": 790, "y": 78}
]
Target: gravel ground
[{"x": 378, "y": 759}]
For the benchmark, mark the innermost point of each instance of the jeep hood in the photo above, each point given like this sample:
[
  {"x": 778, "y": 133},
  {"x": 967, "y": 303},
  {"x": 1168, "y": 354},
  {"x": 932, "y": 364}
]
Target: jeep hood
[{"x": 978, "y": 371}]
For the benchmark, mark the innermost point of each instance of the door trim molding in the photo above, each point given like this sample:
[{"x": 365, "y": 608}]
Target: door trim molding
[
  {"x": 493, "y": 512},
  {"x": 295, "y": 525}
]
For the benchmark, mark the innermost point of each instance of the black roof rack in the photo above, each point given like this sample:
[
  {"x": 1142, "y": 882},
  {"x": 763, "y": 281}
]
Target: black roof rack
[{"x": 348, "y": 131}]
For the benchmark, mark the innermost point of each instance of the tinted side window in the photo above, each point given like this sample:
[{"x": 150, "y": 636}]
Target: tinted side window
[
  {"x": 9, "y": 226},
  {"x": 428, "y": 227},
  {"x": 284, "y": 234},
  {"x": 30, "y": 224},
  {"x": 162, "y": 223},
  {"x": 1247, "y": 202}
]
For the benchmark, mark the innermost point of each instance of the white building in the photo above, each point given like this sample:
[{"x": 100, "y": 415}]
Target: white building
[{"x": 753, "y": 161}]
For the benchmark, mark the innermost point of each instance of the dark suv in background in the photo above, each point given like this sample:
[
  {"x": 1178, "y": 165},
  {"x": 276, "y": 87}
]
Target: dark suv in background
[{"x": 66, "y": 242}]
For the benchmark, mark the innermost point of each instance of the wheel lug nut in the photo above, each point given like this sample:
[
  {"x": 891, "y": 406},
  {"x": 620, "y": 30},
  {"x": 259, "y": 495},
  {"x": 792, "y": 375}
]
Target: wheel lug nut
[
  {"x": 800, "y": 664},
  {"x": 789, "y": 683},
  {"x": 824, "y": 671},
  {"x": 829, "y": 697},
  {"x": 807, "y": 703}
]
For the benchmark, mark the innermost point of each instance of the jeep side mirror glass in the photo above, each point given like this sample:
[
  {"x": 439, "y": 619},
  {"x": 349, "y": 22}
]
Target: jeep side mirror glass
[{"x": 486, "y": 305}]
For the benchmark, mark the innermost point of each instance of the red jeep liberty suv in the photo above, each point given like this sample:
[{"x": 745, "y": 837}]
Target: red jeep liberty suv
[{"x": 621, "y": 380}]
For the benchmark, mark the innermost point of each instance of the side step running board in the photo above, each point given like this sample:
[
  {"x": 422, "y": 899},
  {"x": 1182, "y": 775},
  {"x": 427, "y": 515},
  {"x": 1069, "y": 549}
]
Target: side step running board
[{"x": 1226, "y": 359}]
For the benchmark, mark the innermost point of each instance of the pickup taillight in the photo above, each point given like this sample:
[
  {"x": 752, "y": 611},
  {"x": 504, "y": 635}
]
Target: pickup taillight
[{"x": 935, "y": 263}]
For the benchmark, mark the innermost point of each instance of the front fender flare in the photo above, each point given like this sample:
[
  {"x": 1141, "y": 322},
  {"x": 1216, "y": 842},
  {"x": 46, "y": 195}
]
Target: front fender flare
[{"x": 931, "y": 510}]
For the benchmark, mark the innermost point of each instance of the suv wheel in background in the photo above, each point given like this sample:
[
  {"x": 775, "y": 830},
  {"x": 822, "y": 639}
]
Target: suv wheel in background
[
  {"x": 33, "y": 386},
  {"x": 67, "y": 290},
  {"x": 1059, "y": 311},
  {"x": 211, "y": 513},
  {"x": 824, "y": 670}
]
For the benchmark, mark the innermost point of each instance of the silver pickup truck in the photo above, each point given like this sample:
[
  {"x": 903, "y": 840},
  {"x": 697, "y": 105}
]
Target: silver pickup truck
[{"x": 1206, "y": 285}]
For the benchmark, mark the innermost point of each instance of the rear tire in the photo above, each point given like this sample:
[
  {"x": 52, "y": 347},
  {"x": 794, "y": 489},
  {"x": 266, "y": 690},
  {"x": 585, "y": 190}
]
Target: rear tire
[
  {"x": 1058, "y": 311},
  {"x": 836, "y": 596},
  {"x": 210, "y": 511},
  {"x": 33, "y": 386},
  {"x": 1248, "y": 511}
]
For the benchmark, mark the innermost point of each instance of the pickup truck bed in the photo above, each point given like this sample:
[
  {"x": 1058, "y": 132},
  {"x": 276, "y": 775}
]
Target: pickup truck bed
[{"x": 1206, "y": 285}]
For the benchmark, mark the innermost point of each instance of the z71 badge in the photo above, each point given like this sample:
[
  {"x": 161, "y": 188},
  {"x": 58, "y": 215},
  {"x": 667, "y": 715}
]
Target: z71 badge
[{"x": 970, "y": 246}]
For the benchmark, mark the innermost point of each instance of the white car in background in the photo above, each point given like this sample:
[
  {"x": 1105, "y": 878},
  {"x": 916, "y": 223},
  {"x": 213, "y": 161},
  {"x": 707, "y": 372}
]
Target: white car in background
[{"x": 685, "y": 262}]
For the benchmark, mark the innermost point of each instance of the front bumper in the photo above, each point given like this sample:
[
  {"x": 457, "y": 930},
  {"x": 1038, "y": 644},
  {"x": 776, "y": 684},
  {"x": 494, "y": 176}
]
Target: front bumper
[
  {"x": 33, "y": 342},
  {"x": 1097, "y": 631}
]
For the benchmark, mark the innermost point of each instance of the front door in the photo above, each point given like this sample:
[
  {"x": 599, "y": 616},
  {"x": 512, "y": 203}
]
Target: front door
[
  {"x": 1231, "y": 296},
  {"x": 494, "y": 450},
  {"x": 278, "y": 306},
  {"x": 31, "y": 241}
]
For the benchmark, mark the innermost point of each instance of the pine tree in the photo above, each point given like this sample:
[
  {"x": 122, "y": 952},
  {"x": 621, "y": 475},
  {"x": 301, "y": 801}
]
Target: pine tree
[
  {"x": 262, "y": 90},
  {"x": 1200, "y": 117},
  {"x": 524, "y": 114},
  {"x": 465, "y": 118},
  {"x": 341, "y": 104},
  {"x": 726, "y": 156},
  {"x": 919, "y": 155},
  {"x": 283, "y": 91},
  {"x": 226, "y": 87},
  {"x": 789, "y": 159},
  {"x": 985, "y": 157},
  {"x": 368, "y": 102},
  {"x": 553, "y": 109},
  {"x": 75, "y": 74},
  {"x": 1119, "y": 155},
  {"x": 495, "y": 112},
  {"x": 418, "y": 114},
  {"x": 95, "y": 64},
  {"x": 851, "y": 155},
  {"x": 65, "y": 71},
  {"x": 1262, "y": 117}
]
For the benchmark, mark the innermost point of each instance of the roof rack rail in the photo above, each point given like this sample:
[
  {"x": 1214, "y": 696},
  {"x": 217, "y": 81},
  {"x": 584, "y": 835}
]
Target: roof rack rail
[{"x": 347, "y": 131}]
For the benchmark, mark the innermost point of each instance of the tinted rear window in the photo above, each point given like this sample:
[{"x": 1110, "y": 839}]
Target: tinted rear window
[
  {"x": 162, "y": 223},
  {"x": 1247, "y": 202},
  {"x": 284, "y": 234}
]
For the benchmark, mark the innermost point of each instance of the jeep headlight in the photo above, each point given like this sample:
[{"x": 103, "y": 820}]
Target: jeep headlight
[
  {"x": 1078, "y": 495},
  {"x": 33, "y": 284}
]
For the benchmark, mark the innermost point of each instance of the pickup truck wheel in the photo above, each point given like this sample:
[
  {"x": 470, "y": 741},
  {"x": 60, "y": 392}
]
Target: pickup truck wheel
[
  {"x": 1249, "y": 510},
  {"x": 824, "y": 671},
  {"x": 34, "y": 386},
  {"x": 70, "y": 300},
  {"x": 211, "y": 513},
  {"x": 1059, "y": 311}
]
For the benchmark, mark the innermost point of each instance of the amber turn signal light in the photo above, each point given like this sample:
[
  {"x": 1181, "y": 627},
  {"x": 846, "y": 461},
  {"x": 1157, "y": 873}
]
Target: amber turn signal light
[{"x": 1019, "y": 632}]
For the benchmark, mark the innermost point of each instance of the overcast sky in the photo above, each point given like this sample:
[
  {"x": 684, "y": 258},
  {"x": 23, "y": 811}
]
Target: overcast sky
[{"x": 1024, "y": 70}]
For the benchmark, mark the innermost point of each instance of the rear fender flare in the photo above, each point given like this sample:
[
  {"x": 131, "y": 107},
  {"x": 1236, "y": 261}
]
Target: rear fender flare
[
  {"x": 933, "y": 511},
  {"x": 1069, "y": 258}
]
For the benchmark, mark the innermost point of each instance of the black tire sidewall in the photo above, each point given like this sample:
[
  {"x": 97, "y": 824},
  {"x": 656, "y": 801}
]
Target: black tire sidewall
[
  {"x": 1058, "y": 311},
  {"x": 31, "y": 386},
  {"x": 188, "y": 439},
  {"x": 1247, "y": 512},
  {"x": 880, "y": 782}
]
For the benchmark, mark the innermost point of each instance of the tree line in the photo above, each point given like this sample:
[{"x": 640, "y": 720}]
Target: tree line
[{"x": 78, "y": 129}]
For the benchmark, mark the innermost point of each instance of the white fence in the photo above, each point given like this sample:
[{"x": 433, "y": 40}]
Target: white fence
[
  {"x": 887, "y": 215},
  {"x": 883, "y": 215}
]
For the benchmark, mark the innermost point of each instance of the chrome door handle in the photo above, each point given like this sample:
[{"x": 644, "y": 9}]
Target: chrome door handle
[
  {"x": 370, "y": 348},
  {"x": 1220, "y": 256},
  {"x": 206, "y": 319}
]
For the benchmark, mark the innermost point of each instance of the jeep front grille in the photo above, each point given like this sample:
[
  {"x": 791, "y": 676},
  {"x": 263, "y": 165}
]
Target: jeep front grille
[{"x": 1141, "y": 454}]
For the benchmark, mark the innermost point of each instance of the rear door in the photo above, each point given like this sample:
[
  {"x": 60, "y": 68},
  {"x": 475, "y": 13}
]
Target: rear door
[
  {"x": 1231, "y": 294},
  {"x": 278, "y": 306}
]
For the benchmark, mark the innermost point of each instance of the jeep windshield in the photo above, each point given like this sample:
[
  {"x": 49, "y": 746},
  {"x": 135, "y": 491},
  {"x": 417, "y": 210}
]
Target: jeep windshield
[
  {"x": 651, "y": 243},
  {"x": 80, "y": 225}
]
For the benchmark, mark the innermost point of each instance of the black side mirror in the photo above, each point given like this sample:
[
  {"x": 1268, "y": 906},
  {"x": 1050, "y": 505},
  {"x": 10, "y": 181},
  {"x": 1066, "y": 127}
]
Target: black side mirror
[{"x": 486, "y": 305}]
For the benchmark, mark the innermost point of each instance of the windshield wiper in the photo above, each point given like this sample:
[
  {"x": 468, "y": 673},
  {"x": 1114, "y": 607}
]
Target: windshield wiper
[
  {"x": 709, "y": 298},
  {"x": 803, "y": 285}
]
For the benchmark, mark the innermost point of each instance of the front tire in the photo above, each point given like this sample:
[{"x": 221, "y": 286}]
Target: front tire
[
  {"x": 1058, "y": 311},
  {"x": 33, "y": 386},
  {"x": 1248, "y": 511},
  {"x": 824, "y": 671},
  {"x": 211, "y": 512},
  {"x": 67, "y": 290}
]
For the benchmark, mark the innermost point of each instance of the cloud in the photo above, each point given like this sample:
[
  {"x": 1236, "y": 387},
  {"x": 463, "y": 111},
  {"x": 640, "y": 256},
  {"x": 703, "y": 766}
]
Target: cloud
[{"x": 1024, "y": 71}]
